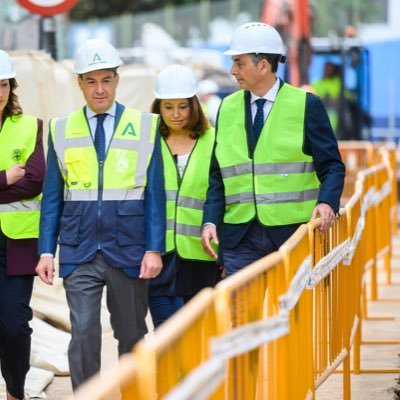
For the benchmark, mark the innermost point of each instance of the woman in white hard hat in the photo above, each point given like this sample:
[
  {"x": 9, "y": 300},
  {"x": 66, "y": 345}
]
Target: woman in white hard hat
[
  {"x": 187, "y": 146},
  {"x": 22, "y": 168}
]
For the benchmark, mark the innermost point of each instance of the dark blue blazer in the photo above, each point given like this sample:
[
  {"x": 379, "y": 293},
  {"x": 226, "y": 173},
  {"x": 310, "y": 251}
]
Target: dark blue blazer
[
  {"x": 127, "y": 228},
  {"x": 319, "y": 142}
]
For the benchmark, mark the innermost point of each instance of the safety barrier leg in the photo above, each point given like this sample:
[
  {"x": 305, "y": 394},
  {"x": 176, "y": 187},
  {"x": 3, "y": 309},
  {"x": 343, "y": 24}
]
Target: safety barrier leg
[
  {"x": 374, "y": 282},
  {"x": 357, "y": 350},
  {"x": 346, "y": 378}
]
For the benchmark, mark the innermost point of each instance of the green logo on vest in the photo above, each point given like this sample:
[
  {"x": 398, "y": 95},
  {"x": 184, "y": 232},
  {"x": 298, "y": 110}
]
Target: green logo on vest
[
  {"x": 16, "y": 155},
  {"x": 129, "y": 129},
  {"x": 96, "y": 58}
]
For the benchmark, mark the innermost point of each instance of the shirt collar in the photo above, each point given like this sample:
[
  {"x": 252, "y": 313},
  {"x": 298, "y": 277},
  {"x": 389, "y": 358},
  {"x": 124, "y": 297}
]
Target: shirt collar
[
  {"x": 111, "y": 111},
  {"x": 270, "y": 95}
]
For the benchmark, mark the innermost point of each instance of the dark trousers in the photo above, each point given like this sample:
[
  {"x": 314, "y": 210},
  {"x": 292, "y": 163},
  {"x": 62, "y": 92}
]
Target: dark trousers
[
  {"x": 15, "y": 333},
  {"x": 255, "y": 244},
  {"x": 126, "y": 302},
  {"x": 162, "y": 307},
  {"x": 163, "y": 301}
]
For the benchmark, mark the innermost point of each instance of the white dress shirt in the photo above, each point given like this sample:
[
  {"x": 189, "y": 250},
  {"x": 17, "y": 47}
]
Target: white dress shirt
[
  {"x": 270, "y": 96},
  {"x": 108, "y": 123}
]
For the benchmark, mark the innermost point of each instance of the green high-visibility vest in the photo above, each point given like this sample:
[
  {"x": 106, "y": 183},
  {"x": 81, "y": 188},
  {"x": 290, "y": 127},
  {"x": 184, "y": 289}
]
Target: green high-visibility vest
[
  {"x": 186, "y": 197},
  {"x": 123, "y": 176},
  {"x": 279, "y": 184},
  {"x": 19, "y": 219}
]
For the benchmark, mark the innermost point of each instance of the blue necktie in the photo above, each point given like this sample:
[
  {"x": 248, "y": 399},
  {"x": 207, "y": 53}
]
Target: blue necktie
[
  {"x": 100, "y": 137},
  {"x": 259, "y": 118}
]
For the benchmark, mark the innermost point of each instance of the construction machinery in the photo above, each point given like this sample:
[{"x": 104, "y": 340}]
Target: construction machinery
[{"x": 307, "y": 56}]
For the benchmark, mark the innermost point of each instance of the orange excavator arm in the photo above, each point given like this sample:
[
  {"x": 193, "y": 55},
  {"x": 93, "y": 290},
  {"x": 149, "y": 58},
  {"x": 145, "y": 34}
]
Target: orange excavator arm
[{"x": 292, "y": 18}]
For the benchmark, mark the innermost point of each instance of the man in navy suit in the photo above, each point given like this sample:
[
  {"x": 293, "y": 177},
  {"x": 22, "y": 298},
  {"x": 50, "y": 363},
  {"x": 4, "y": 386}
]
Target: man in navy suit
[
  {"x": 103, "y": 203},
  {"x": 276, "y": 160}
]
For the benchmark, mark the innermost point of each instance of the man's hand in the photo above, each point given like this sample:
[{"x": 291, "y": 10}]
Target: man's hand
[
  {"x": 15, "y": 173},
  {"x": 326, "y": 214},
  {"x": 208, "y": 234},
  {"x": 45, "y": 269},
  {"x": 151, "y": 265}
]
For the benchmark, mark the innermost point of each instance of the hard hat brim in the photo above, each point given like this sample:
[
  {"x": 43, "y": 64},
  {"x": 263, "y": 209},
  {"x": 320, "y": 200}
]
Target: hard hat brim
[
  {"x": 174, "y": 96},
  {"x": 8, "y": 76},
  {"x": 235, "y": 52},
  {"x": 98, "y": 67}
]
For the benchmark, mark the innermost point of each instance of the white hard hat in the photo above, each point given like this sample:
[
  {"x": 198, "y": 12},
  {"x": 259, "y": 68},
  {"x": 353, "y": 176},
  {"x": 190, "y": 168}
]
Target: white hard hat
[
  {"x": 175, "y": 82},
  {"x": 96, "y": 54},
  {"x": 6, "y": 68},
  {"x": 208, "y": 86},
  {"x": 256, "y": 37}
]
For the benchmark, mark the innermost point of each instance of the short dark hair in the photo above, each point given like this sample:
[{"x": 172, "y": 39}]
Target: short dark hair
[
  {"x": 12, "y": 108},
  {"x": 273, "y": 59},
  {"x": 198, "y": 122}
]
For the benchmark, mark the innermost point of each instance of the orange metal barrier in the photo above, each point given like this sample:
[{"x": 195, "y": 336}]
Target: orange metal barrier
[
  {"x": 356, "y": 155},
  {"x": 334, "y": 302},
  {"x": 299, "y": 343},
  {"x": 387, "y": 154},
  {"x": 248, "y": 296},
  {"x": 178, "y": 346},
  {"x": 280, "y": 327},
  {"x": 122, "y": 378}
]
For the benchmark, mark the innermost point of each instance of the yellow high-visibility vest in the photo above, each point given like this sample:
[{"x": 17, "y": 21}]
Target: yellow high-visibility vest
[
  {"x": 279, "y": 184},
  {"x": 19, "y": 219},
  {"x": 185, "y": 201},
  {"x": 123, "y": 176}
]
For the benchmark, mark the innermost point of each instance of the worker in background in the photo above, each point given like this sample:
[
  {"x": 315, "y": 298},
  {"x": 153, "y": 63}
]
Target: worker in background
[
  {"x": 187, "y": 143},
  {"x": 103, "y": 199},
  {"x": 22, "y": 169},
  {"x": 328, "y": 89},
  {"x": 209, "y": 99},
  {"x": 276, "y": 161}
]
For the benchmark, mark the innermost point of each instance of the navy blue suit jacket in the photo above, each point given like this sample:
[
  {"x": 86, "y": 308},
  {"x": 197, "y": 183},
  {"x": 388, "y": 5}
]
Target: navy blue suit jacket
[
  {"x": 53, "y": 203},
  {"x": 319, "y": 142}
]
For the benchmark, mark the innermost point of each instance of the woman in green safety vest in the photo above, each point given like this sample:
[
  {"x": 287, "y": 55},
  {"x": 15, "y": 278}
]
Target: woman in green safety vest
[
  {"x": 187, "y": 145},
  {"x": 22, "y": 168}
]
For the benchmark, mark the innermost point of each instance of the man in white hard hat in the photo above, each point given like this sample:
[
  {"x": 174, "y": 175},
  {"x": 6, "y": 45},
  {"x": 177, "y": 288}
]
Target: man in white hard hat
[
  {"x": 276, "y": 160},
  {"x": 103, "y": 201}
]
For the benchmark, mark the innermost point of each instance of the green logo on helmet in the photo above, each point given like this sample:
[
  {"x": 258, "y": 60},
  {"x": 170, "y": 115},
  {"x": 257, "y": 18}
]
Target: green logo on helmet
[{"x": 96, "y": 58}]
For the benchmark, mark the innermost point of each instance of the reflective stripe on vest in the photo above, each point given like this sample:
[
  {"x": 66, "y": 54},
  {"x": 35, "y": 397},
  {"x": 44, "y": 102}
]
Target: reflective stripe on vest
[
  {"x": 19, "y": 219},
  {"x": 185, "y": 202},
  {"x": 125, "y": 166},
  {"x": 280, "y": 183}
]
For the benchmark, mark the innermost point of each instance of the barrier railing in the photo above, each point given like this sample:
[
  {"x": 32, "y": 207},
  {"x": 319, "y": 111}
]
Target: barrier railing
[
  {"x": 281, "y": 326},
  {"x": 119, "y": 379},
  {"x": 298, "y": 345},
  {"x": 333, "y": 311},
  {"x": 250, "y": 296},
  {"x": 178, "y": 347},
  {"x": 356, "y": 155}
]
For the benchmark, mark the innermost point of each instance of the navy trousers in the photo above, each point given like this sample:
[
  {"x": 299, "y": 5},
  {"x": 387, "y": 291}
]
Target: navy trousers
[
  {"x": 15, "y": 333},
  {"x": 255, "y": 244}
]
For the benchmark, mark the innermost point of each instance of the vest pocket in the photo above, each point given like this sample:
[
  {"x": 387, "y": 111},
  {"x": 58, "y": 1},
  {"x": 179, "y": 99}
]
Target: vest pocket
[
  {"x": 130, "y": 223},
  {"x": 70, "y": 223},
  {"x": 78, "y": 166}
]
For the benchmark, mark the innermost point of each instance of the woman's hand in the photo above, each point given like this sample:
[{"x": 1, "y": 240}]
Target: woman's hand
[{"x": 15, "y": 173}]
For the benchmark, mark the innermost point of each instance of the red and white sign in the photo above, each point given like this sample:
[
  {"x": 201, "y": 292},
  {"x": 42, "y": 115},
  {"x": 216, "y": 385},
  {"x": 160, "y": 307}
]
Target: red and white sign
[{"x": 47, "y": 8}]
